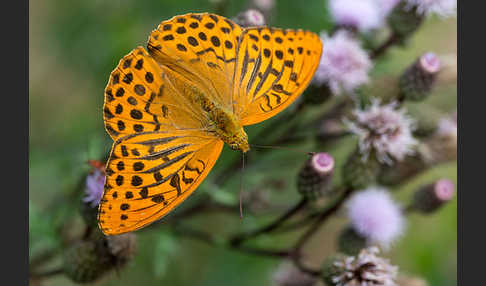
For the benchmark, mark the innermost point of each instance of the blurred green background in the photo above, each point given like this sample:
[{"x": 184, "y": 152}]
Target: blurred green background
[{"x": 74, "y": 45}]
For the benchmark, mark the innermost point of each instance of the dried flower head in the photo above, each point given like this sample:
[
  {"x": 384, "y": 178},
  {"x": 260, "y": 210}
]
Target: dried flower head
[
  {"x": 447, "y": 127},
  {"x": 94, "y": 187},
  {"x": 443, "y": 8},
  {"x": 375, "y": 216},
  {"x": 366, "y": 269},
  {"x": 250, "y": 18},
  {"x": 289, "y": 275},
  {"x": 363, "y": 15},
  {"x": 344, "y": 65},
  {"x": 385, "y": 130}
]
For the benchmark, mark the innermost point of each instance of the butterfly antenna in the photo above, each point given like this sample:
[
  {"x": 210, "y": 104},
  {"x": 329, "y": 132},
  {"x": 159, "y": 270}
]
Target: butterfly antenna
[
  {"x": 282, "y": 148},
  {"x": 241, "y": 184}
]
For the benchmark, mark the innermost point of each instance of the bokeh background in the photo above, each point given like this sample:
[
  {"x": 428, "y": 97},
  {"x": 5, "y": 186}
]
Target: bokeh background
[{"x": 73, "y": 47}]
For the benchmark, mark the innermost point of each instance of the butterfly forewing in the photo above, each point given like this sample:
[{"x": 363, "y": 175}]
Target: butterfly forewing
[
  {"x": 202, "y": 48},
  {"x": 274, "y": 67},
  {"x": 138, "y": 100}
]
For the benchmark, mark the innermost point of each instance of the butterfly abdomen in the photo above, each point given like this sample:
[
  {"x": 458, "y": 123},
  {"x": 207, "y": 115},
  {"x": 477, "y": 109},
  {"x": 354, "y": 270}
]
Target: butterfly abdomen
[{"x": 225, "y": 124}]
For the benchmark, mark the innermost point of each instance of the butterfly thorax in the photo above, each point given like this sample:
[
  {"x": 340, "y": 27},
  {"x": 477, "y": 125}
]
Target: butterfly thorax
[{"x": 224, "y": 123}]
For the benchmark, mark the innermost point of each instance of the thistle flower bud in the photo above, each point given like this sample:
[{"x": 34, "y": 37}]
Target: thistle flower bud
[
  {"x": 122, "y": 247},
  {"x": 350, "y": 242},
  {"x": 360, "y": 172},
  {"x": 250, "y": 18},
  {"x": 315, "y": 176},
  {"x": 404, "y": 20},
  {"x": 88, "y": 260},
  {"x": 83, "y": 264},
  {"x": 418, "y": 79},
  {"x": 433, "y": 196},
  {"x": 364, "y": 269}
]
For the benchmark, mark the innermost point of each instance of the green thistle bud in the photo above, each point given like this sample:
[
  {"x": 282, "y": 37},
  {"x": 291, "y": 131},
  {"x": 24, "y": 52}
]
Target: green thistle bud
[
  {"x": 418, "y": 79},
  {"x": 122, "y": 247},
  {"x": 88, "y": 260},
  {"x": 360, "y": 172},
  {"x": 350, "y": 242},
  {"x": 314, "y": 178},
  {"x": 404, "y": 21},
  {"x": 315, "y": 95},
  {"x": 83, "y": 264},
  {"x": 431, "y": 197},
  {"x": 401, "y": 171}
]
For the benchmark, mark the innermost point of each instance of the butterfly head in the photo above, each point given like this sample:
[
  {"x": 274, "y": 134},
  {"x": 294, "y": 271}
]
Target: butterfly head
[{"x": 239, "y": 141}]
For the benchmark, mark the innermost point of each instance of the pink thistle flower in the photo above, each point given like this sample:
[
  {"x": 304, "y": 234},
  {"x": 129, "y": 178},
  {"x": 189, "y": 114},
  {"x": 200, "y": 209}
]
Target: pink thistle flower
[
  {"x": 384, "y": 129},
  {"x": 344, "y": 65},
  {"x": 386, "y": 6},
  {"x": 375, "y": 216},
  {"x": 94, "y": 187},
  {"x": 443, "y": 8},
  {"x": 364, "y": 15}
]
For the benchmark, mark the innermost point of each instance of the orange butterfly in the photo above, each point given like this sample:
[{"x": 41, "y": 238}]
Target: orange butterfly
[{"x": 169, "y": 111}]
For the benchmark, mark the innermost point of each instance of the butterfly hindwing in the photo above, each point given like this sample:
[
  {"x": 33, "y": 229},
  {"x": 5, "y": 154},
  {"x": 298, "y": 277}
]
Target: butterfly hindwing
[
  {"x": 149, "y": 174},
  {"x": 274, "y": 67}
]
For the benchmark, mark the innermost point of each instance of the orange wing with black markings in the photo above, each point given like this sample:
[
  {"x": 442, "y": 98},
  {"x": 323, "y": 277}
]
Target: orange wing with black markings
[
  {"x": 158, "y": 104},
  {"x": 274, "y": 67},
  {"x": 162, "y": 149},
  {"x": 149, "y": 174}
]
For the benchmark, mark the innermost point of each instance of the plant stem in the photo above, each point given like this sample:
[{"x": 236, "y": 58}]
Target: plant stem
[
  {"x": 239, "y": 239},
  {"x": 46, "y": 274},
  {"x": 320, "y": 220},
  {"x": 380, "y": 50}
]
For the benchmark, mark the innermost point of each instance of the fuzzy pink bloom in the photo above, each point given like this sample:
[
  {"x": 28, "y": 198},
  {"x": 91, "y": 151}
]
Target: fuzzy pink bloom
[
  {"x": 344, "y": 65},
  {"x": 384, "y": 129},
  {"x": 363, "y": 14},
  {"x": 443, "y": 8},
  {"x": 375, "y": 216},
  {"x": 94, "y": 188}
]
